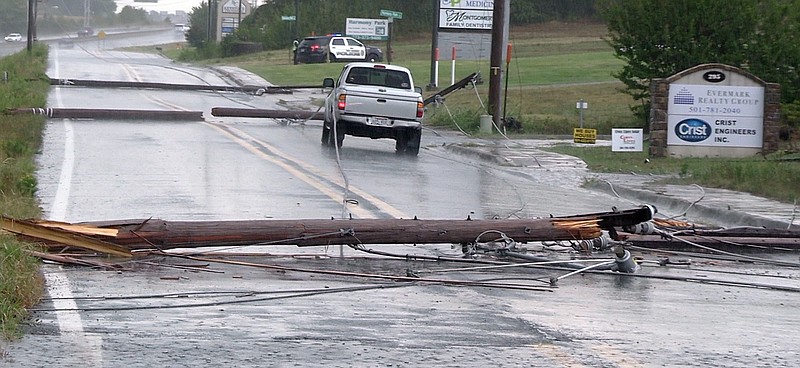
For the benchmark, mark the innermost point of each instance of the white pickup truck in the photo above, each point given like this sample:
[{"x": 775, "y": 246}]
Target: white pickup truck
[{"x": 374, "y": 101}]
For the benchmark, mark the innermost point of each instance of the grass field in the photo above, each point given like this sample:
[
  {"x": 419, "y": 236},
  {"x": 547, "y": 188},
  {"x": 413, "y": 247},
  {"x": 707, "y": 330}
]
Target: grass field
[
  {"x": 20, "y": 140},
  {"x": 776, "y": 176}
]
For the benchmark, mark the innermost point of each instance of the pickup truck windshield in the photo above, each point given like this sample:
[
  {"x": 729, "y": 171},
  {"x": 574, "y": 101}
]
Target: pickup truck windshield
[{"x": 379, "y": 77}]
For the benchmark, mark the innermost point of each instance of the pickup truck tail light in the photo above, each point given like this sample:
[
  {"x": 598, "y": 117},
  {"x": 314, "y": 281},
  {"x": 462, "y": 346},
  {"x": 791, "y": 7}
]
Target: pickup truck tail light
[
  {"x": 420, "y": 108},
  {"x": 343, "y": 102}
]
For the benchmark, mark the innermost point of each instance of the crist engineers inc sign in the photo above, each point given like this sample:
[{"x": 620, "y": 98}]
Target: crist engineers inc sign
[{"x": 715, "y": 115}]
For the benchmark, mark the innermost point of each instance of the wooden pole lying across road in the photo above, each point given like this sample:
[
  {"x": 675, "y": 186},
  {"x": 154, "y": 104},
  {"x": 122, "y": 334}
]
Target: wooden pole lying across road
[
  {"x": 184, "y": 87},
  {"x": 270, "y": 114},
  {"x": 116, "y": 114},
  {"x": 161, "y": 234}
]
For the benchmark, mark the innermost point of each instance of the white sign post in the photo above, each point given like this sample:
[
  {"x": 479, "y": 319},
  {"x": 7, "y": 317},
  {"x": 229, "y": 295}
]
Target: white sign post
[{"x": 581, "y": 105}]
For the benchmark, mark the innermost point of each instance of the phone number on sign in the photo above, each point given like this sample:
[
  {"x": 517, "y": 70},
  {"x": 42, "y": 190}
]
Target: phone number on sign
[{"x": 715, "y": 110}]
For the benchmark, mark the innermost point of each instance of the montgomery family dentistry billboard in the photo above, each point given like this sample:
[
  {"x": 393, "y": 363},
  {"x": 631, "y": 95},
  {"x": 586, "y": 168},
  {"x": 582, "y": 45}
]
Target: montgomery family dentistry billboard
[{"x": 466, "y": 14}]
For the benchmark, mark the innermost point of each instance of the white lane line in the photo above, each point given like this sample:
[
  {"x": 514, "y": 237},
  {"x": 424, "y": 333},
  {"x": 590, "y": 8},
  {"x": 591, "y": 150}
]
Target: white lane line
[
  {"x": 617, "y": 357},
  {"x": 69, "y": 320},
  {"x": 357, "y": 211},
  {"x": 558, "y": 354},
  {"x": 380, "y": 204}
]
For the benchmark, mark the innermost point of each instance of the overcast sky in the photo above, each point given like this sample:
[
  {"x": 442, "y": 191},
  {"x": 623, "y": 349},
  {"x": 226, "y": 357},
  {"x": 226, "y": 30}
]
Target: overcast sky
[{"x": 162, "y": 5}]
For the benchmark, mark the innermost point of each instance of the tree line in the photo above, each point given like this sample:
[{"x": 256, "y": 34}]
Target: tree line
[
  {"x": 266, "y": 26},
  {"x": 657, "y": 39},
  {"x": 66, "y": 16}
]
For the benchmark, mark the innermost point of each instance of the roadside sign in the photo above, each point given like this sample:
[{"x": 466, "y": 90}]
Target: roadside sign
[
  {"x": 626, "y": 140},
  {"x": 101, "y": 35},
  {"x": 288, "y": 17},
  {"x": 391, "y": 14},
  {"x": 584, "y": 135},
  {"x": 367, "y": 29}
]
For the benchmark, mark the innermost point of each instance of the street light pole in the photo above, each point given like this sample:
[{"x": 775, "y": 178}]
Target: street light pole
[
  {"x": 31, "y": 24},
  {"x": 87, "y": 11}
]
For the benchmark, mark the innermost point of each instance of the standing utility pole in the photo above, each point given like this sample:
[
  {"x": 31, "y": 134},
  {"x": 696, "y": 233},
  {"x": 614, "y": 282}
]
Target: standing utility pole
[
  {"x": 87, "y": 13},
  {"x": 239, "y": 20},
  {"x": 496, "y": 62},
  {"x": 31, "y": 24},
  {"x": 296, "y": 19},
  {"x": 434, "y": 45}
]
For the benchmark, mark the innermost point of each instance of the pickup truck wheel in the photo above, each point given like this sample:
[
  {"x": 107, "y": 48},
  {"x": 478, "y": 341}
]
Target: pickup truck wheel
[
  {"x": 326, "y": 132},
  {"x": 331, "y": 57},
  {"x": 339, "y": 135},
  {"x": 337, "y": 139},
  {"x": 401, "y": 143},
  {"x": 414, "y": 138},
  {"x": 372, "y": 58}
]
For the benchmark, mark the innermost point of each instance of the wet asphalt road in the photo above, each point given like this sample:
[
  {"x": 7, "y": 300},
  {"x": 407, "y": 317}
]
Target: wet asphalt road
[{"x": 160, "y": 313}]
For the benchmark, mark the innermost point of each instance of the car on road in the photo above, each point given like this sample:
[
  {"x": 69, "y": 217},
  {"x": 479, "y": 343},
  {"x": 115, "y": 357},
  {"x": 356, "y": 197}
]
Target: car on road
[
  {"x": 86, "y": 32},
  {"x": 13, "y": 37},
  {"x": 330, "y": 48}
]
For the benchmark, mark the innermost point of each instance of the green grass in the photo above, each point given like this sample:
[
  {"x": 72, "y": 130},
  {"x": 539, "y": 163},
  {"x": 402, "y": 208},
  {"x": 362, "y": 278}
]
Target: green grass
[
  {"x": 21, "y": 284},
  {"x": 770, "y": 177},
  {"x": 20, "y": 139}
]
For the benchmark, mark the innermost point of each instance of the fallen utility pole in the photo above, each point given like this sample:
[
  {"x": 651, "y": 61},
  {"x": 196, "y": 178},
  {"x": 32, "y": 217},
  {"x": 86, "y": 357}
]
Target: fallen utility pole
[
  {"x": 726, "y": 243},
  {"x": 117, "y": 114},
  {"x": 474, "y": 78},
  {"x": 160, "y": 234},
  {"x": 183, "y": 87},
  {"x": 270, "y": 114}
]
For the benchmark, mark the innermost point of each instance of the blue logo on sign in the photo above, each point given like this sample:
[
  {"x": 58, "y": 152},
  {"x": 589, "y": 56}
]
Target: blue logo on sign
[{"x": 693, "y": 130}]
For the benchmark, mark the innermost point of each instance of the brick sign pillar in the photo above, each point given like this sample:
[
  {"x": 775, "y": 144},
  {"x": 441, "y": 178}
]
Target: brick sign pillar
[{"x": 713, "y": 110}]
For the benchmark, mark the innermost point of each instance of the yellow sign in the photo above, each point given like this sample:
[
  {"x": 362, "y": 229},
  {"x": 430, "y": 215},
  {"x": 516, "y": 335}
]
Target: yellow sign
[
  {"x": 584, "y": 135},
  {"x": 101, "y": 35}
]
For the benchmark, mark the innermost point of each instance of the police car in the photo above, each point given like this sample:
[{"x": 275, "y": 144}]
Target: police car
[{"x": 333, "y": 48}]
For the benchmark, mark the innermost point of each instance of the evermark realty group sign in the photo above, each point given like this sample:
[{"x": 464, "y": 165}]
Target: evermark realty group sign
[
  {"x": 715, "y": 116},
  {"x": 713, "y": 110}
]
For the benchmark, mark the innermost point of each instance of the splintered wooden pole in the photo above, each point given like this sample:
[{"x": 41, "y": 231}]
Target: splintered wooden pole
[
  {"x": 61, "y": 235},
  {"x": 166, "y": 235},
  {"x": 119, "y": 236}
]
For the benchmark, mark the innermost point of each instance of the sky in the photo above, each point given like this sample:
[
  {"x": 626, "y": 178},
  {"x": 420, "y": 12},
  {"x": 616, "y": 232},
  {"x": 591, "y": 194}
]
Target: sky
[
  {"x": 162, "y": 5},
  {"x": 169, "y": 6}
]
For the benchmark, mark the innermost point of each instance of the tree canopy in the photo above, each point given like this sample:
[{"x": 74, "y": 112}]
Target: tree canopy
[
  {"x": 13, "y": 16},
  {"x": 659, "y": 38},
  {"x": 329, "y": 16}
]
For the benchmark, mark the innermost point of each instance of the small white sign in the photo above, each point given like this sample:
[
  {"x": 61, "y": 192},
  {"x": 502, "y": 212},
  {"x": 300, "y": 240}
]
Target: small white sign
[
  {"x": 235, "y": 7},
  {"x": 581, "y": 105},
  {"x": 626, "y": 140}
]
